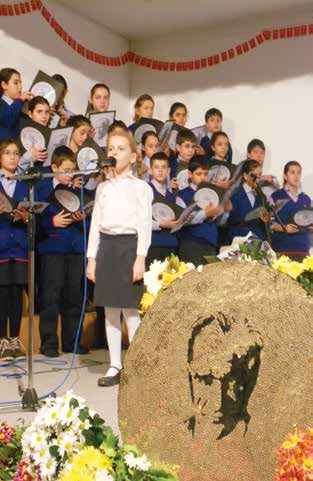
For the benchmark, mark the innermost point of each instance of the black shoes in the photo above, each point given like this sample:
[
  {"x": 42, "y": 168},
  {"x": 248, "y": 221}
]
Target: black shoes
[
  {"x": 50, "y": 352},
  {"x": 107, "y": 381},
  {"x": 80, "y": 350},
  {"x": 17, "y": 349}
]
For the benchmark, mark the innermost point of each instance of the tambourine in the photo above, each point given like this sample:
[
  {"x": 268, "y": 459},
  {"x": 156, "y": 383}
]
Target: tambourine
[
  {"x": 268, "y": 188},
  {"x": 147, "y": 125},
  {"x": 66, "y": 199},
  {"x": 207, "y": 194},
  {"x": 254, "y": 214},
  {"x": 220, "y": 171},
  {"x": 303, "y": 219}
]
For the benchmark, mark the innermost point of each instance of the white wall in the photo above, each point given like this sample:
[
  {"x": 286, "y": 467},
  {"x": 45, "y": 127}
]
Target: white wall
[
  {"x": 28, "y": 44},
  {"x": 266, "y": 93}
]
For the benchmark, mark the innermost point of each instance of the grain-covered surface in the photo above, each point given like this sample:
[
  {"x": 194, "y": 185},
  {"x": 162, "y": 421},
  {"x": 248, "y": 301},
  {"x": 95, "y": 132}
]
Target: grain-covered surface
[{"x": 219, "y": 371}]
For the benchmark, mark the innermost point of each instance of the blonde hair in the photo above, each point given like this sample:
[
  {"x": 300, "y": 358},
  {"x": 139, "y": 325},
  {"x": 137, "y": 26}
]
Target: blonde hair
[{"x": 128, "y": 137}]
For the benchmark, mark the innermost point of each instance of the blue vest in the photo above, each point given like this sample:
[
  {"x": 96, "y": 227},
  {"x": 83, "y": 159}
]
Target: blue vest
[
  {"x": 163, "y": 238},
  {"x": 206, "y": 232},
  {"x": 206, "y": 144},
  {"x": 282, "y": 241},
  {"x": 13, "y": 235},
  {"x": 241, "y": 207},
  {"x": 9, "y": 119},
  {"x": 57, "y": 240}
]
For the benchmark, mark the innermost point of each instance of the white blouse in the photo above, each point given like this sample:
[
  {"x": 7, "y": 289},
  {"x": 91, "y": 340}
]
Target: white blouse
[{"x": 123, "y": 205}]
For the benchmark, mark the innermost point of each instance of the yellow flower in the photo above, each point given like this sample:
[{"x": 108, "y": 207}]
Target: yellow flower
[
  {"x": 85, "y": 464},
  {"x": 294, "y": 269},
  {"x": 308, "y": 263},
  {"x": 147, "y": 300}
]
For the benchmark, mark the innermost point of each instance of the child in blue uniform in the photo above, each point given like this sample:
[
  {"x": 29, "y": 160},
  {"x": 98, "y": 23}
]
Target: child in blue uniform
[
  {"x": 200, "y": 237},
  {"x": 213, "y": 123},
  {"x": 39, "y": 111},
  {"x": 163, "y": 243},
  {"x": 13, "y": 253},
  {"x": 61, "y": 250},
  {"x": 186, "y": 143},
  {"x": 178, "y": 113},
  {"x": 150, "y": 144},
  {"x": 291, "y": 241},
  {"x": 243, "y": 201},
  {"x": 11, "y": 102},
  {"x": 144, "y": 107}
]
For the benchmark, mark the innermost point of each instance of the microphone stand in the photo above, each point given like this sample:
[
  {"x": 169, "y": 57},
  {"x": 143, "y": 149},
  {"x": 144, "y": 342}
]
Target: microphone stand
[
  {"x": 32, "y": 176},
  {"x": 269, "y": 210}
]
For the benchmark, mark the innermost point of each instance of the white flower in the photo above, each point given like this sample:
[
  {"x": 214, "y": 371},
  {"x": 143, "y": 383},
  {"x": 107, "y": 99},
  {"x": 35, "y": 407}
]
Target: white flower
[
  {"x": 66, "y": 441},
  {"x": 190, "y": 266},
  {"x": 153, "y": 278},
  {"x": 67, "y": 415},
  {"x": 103, "y": 475},
  {"x": 47, "y": 469},
  {"x": 200, "y": 268},
  {"x": 143, "y": 464},
  {"x": 140, "y": 463}
]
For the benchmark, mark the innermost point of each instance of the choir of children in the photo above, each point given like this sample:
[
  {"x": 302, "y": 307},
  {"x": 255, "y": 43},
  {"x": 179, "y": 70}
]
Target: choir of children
[{"x": 124, "y": 236}]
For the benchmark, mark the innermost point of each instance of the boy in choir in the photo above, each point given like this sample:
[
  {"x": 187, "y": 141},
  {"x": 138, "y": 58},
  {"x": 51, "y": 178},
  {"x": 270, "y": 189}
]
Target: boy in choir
[
  {"x": 256, "y": 151},
  {"x": 243, "y": 201},
  {"x": 200, "y": 237},
  {"x": 163, "y": 243},
  {"x": 186, "y": 143},
  {"x": 61, "y": 251},
  {"x": 11, "y": 102},
  {"x": 213, "y": 123}
]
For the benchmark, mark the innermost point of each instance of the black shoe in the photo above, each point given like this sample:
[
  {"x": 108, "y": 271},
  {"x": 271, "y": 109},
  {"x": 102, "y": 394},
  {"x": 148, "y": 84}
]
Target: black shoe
[
  {"x": 80, "y": 350},
  {"x": 50, "y": 352},
  {"x": 110, "y": 380}
]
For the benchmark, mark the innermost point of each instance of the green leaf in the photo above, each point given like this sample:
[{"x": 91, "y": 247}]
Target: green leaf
[
  {"x": 159, "y": 475},
  {"x": 212, "y": 259},
  {"x": 97, "y": 420},
  {"x": 109, "y": 445},
  {"x": 84, "y": 414},
  {"x": 74, "y": 403},
  {"x": 53, "y": 450},
  {"x": 129, "y": 448}
]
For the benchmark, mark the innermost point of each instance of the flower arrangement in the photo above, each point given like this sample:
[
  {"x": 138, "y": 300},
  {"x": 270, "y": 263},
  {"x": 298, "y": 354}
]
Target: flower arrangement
[
  {"x": 295, "y": 457},
  {"x": 10, "y": 449},
  {"x": 67, "y": 441},
  {"x": 301, "y": 271},
  {"x": 160, "y": 275}
]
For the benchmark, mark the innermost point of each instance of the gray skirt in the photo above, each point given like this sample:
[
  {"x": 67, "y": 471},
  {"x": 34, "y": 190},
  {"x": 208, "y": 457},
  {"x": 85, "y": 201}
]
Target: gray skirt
[{"x": 114, "y": 272}]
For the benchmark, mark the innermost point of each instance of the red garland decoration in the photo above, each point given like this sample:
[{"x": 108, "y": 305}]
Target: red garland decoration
[{"x": 30, "y": 6}]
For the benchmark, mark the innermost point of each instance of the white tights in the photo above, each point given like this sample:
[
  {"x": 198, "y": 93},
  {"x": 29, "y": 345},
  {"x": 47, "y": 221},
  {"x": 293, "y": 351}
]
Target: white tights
[{"x": 114, "y": 333}]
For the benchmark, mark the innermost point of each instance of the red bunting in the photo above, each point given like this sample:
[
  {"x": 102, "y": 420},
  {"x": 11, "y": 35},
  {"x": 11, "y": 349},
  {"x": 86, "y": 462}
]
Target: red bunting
[{"x": 30, "y": 6}]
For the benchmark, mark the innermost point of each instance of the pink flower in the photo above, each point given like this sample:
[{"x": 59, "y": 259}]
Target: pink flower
[{"x": 6, "y": 433}]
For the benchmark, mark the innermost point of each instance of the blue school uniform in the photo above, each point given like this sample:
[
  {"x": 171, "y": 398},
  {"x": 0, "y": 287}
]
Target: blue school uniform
[
  {"x": 13, "y": 235},
  {"x": 241, "y": 206},
  {"x": 163, "y": 238},
  {"x": 291, "y": 243},
  {"x": 10, "y": 112},
  {"x": 132, "y": 127},
  {"x": 206, "y": 145},
  {"x": 57, "y": 240},
  {"x": 204, "y": 232}
]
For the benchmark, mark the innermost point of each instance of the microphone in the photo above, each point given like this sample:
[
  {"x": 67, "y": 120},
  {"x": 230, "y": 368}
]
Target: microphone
[{"x": 107, "y": 162}]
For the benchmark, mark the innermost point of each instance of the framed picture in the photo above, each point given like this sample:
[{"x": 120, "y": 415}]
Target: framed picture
[
  {"x": 57, "y": 138},
  {"x": 207, "y": 193},
  {"x": 47, "y": 87},
  {"x": 147, "y": 125},
  {"x": 199, "y": 132},
  {"x": 303, "y": 219},
  {"x": 32, "y": 134},
  {"x": 101, "y": 122},
  {"x": 168, "y": 134}
]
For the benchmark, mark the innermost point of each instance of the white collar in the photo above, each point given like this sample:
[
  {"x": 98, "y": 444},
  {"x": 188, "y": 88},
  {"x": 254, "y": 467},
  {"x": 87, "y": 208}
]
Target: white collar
[
  {"x": 193, "y": 186},
  {"x": 7, "y": 100},
  {"x": 55, "y": 182},
  {"x": 159, "y": 187},
  {"x": 247, "y": 188},
  {"x": 288, "y": 190}
]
